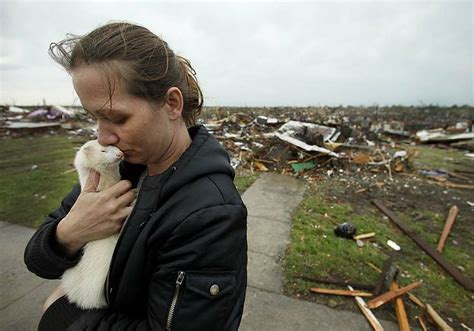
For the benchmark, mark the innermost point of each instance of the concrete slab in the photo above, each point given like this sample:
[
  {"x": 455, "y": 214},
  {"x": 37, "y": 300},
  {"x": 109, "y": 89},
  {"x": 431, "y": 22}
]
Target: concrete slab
[
  {"x": 2, "y": 224},
  {"x": 266, "y": 236},
  {"x": 274, "y": 312},
  {"x": 274, "y": 197},
  {"x": 264, "y": 272},
  {"x": 16, "y": 280},
  {"x": 24, "y": 314}
]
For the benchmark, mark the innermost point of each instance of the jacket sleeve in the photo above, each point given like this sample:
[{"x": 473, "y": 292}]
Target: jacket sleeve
[
  {"x": 199, "y": 279},
  {"x": 42, "y": 255}
]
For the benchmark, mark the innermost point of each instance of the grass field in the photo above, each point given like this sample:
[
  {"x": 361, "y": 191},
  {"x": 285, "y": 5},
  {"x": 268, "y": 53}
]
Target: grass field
[
  {"x": 316, "y": 252},
  {"x": 37, "y": 172},
  {"x": 34, "y": 176}
]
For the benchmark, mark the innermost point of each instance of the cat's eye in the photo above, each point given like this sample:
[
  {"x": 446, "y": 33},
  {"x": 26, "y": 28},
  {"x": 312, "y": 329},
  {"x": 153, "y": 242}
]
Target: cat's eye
[{"x": 103, "y": 151}]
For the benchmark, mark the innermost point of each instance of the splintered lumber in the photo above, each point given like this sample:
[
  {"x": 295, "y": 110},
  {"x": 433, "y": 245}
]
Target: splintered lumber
[
  {"x": 367, "y": 313},
  {"x": 400, "y": 310},
  {"x": 458, "y": 276},
  {"x": 417, "y": 301},
  {"x": 364, "y": 236},
  {"x": 454, "y": 185},
  {"x": 350, "y": 293},
  {"x": 367, "y": 287},
  {"x": 373, "y": 266},
  {"x": 384, "y": 273},
  {"x": 437, "y": 319},
  {"x": 392, "y": 294},
  {"x": 422, "y": 323},
  {"x": 453, "y": 212}
]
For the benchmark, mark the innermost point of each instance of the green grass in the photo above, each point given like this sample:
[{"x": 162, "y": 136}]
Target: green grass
[
  {"x": 316, "y": 252},
  {"x": 243, "y": 181},
  {"x": 28, "y": 195},
  {"x": 428, "y": 157}
]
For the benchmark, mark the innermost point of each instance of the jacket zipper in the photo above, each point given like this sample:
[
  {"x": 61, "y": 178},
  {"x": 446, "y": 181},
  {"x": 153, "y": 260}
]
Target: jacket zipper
[{"x": 177, "y": 287}]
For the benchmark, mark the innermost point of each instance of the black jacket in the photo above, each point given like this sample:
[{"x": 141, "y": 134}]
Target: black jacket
[{"x": 181, "y": 259}]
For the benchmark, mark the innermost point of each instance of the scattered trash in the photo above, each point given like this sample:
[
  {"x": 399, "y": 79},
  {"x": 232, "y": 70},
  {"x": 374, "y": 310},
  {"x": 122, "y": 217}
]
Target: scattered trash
[
  {"x": 299, "y": 167},
  {"x": 393, "y": 245},
  {"x": 307, "y": 136},
  {"x": 364, "y": 236},
  {"x": 460, "y": 278},
  {"x": 440, "y": 135},
  {"x": 345, "y": 230},
  {"x": 447, "y": 227}
]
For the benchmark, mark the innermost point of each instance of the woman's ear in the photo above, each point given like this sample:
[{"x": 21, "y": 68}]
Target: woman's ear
[{"x": 175, "y": 103}]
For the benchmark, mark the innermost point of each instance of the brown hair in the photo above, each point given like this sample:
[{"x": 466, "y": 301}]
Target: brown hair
[{"x": 146, "y": 62}]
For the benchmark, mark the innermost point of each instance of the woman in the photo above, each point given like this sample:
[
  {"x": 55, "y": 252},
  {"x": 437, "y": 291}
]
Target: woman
[{"x": 180, "y": 262}]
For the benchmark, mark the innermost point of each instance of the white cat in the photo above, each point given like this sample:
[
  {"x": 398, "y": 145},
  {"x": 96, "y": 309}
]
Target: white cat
[{"x": 84, "y": 284}]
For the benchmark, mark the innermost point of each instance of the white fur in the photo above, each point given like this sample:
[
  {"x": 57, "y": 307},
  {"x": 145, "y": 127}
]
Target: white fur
[{"x": 84, "y": 284}]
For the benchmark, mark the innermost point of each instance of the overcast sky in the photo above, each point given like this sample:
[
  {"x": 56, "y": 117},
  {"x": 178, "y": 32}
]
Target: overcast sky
[{"x": 266, "y": 53}]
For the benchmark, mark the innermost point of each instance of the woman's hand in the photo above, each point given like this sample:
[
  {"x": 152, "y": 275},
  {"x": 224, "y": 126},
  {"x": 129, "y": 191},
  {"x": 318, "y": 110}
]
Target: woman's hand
[{"x": 95, "y": 215}]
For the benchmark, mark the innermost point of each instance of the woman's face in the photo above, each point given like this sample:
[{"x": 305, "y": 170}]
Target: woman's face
[{"x": 143, "y": 132}]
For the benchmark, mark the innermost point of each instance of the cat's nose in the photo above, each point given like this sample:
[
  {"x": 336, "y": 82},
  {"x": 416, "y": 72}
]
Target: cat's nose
[{"x": 120, "y": 155}]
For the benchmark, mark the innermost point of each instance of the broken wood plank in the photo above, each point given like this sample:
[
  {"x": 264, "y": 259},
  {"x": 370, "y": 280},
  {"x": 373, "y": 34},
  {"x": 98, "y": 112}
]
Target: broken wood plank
[
  {"x": 381, "y": 281},
  {"x": 392, "y": 294},
  {"x": 454, "y": 185},
  {"x": 367, "y": 313},
  {"x": 400, "y": 310},
  {"x": 422, "y": 323},
  {"x": 453, "y": 212},
  {"x": 463, "y": 280},
  {"x": 367, "y": 287},
  {"x": 417, "y": 301},
  {"x": 437, "y": 319},
  {"x": 373, "y": 266},
  {"x": 349, "y": 293},
  {"x": 364, "y": 236}
]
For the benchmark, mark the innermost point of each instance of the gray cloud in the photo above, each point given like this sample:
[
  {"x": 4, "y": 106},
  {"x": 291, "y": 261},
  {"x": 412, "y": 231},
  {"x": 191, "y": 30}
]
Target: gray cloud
[{"x": 264, "y": 54}]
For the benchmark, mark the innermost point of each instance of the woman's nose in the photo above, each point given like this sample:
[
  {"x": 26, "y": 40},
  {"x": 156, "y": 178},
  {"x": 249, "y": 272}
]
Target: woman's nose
[{"x": 105, "y": 134}]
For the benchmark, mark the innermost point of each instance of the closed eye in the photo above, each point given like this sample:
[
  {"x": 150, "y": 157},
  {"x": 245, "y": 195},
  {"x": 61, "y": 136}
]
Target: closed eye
[{"x": 103, "y": 151}]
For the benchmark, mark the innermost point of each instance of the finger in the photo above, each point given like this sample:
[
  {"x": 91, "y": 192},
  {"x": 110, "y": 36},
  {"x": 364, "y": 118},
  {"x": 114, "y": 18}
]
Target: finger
[
  {"x": 126, "y": 199},
  {"x": 119, "y": 188},
  {"x": 123, "y": 213},
  {"x": 92, "y": 182}
]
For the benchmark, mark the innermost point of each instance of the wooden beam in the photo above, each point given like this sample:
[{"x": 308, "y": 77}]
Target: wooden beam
[
  {"x": 417, "y": 301},
  {"x": 400, "y": 310},
  {"x": 340, "y": 292},
  {"x": 373, "y": 266},
  {"x": 367, "y": 313},
  {"x": 367, "y": 287},
  {"x": 422, "y": 323},
  {"x": 437, "y": 319},
  {"x": 458, "y": 276},
  {"x": 364, "y": 236},
  {"x": 392, "y": 294},
  {"x": 453, "y": 212},
  {"x": 381, "y": 281}
]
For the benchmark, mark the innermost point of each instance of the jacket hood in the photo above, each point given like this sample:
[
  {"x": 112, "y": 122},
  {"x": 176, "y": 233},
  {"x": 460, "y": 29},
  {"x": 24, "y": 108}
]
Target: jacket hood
[{"x": 204, "y": 156}]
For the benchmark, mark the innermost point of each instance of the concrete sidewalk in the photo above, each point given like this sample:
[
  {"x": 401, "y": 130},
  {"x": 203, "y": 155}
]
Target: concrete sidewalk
[
  {"x": 21, "y": 292},
  {"x": 270, "y": 202}
]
